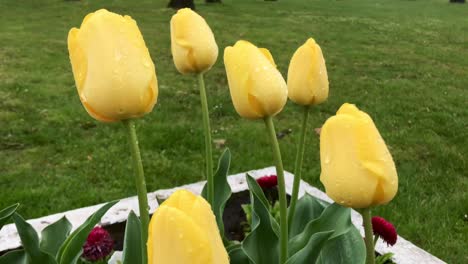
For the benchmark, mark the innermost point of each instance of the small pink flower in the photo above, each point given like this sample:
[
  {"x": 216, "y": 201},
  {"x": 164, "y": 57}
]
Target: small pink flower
[
  {"x": 384, "y": 229},
  {"x": 98, "y": 246},
  {"x": 268, "y": 181}
]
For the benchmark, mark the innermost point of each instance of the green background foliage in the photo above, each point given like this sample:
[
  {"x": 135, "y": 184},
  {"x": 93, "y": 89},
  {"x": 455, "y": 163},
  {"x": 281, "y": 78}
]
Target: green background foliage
[{"x": 403, "y": 62}]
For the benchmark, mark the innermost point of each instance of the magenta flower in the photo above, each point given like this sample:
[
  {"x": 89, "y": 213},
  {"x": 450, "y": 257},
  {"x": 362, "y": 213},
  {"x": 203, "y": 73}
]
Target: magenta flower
[
  {"x": 268, "y": 181},
  {"x": 98, "y": 246},
  {"x": 384, "y": 229}
]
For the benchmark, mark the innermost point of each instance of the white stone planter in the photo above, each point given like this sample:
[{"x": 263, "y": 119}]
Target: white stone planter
[{"x": 404, "y": 251}]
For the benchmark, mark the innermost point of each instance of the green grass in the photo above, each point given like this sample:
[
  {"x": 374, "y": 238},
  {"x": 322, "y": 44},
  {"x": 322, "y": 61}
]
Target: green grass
[{"x": 403, "y": 62}]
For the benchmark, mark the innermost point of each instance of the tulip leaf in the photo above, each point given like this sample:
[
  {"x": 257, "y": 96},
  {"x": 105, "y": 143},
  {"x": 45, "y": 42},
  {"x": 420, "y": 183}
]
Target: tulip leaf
[
  {"x": 70, "y": 250},
  {"x": 311, "y": 251},
  {"x": 334, "y": 218},
  {"x": 346, "y": 248},
  {"x": 307, "y": 209},
  {"x": 14, "y": 257},
  {"x": 222, "y": 189},
  {"x": 237, "y": 254},
  {"x": 6, "y": 213},
  {"x": 30, "y": 242},
  {"x": 53, "y": 236},
  {"x": 132, "y": 250},
  {"x": 262, "y": 244}
]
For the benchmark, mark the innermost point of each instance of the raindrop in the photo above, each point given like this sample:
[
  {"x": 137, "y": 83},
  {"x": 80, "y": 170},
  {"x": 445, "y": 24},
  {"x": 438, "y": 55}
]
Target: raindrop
[
  {"x": 117, "y": 55},
  {"x": 146, "y": 62}
]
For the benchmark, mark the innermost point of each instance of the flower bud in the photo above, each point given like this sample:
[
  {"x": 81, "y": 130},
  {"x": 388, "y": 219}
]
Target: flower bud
[
  {"x": 183, "y": 230},
  {"x": 193, "y": 45},
  {"x": 385, "y": 230},
  {"x": 357, "y": 168},
  {"x": 307, "y": 75},
  {"x": 98, "y": 246},
  {"x": 257, "y": 88},
  {"x": 113, "y": 70}
]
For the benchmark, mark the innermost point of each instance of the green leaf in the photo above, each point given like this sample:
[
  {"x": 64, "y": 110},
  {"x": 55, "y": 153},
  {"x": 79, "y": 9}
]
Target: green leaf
[
  {"x": 71, "y": 248},
  {"x": 334, "y": 218},
  {"x": 222, "y": 189},
  {"x": 6, "y": 213},
  {"x": 54, "y": 235},
  {"x": 311, "y": 251},
  {"x": 30, "y": 242},
  {"x": 382, "y": 259},
  {"x": 307, "y": 209},
  {"x": 237, "y": 254},
  {"x": 262, "y": 244},
  {"x": 14, "y": 257},
  {"x": 346, "y": 248},
  {"x": 132, "y": 242}
]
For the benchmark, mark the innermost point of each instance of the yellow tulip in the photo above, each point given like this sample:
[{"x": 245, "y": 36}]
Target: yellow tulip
[
  {"x": 193, "y": 45},
  {"x": 257, "y": 88},
  {"x": 183, "y": 230},
  {"x": 113, "y": 70},
  {"x": 307, "y": 75},
  {"x": 357, "y": 169}
]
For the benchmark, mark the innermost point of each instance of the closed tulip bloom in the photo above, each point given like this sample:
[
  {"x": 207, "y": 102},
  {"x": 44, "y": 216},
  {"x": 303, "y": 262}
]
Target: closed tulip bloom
[
  {"x": 357, "y": 168},
  {"x": 183, "y": 230},
  {"x": 193, "y": 45},
  {"x": 307, "y": 75},
  {"x": 113, "y": 70},
  {"x": 257, "y": 88}
]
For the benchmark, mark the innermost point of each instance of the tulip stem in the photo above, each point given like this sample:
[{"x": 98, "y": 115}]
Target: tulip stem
[
  {"x": 281, "y": 188},
  {"x": 298, "y": 165},
  {"x": 369, "y": 239},
  {"x": 140, "y": 183},
  {"x": 207, "y": 130}
]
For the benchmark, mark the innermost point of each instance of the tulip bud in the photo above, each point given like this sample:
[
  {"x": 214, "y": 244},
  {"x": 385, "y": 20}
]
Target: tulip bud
[
  {"x": 183, "y": 230},
  {"x": 257, "y": 88},
  {"x": 113, "y": 70},
  {"x": 193, "y": 45},
  {"x": 307, "y": 75},
  {"x": 357, "y": 168}
]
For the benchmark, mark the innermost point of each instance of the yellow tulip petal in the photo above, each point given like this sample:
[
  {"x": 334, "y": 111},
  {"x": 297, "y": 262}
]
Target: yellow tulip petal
[
  {"x": 184, "y": 230},
  {"x": 307, "y": 75},
  {"x": 268, "y": 55},
  {"x": 177, "y": 239},
  {"x": 257, "y": 87},
  {"x": 357, "y": 168},
  {"x": 77, "y": 59},
  {"x": 112, "y": 67},
  {"x": 193, "y": 45}
]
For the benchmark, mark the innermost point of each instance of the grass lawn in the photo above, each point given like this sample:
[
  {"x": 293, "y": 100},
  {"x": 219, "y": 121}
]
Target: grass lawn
[{"x": 403, "y": 62}]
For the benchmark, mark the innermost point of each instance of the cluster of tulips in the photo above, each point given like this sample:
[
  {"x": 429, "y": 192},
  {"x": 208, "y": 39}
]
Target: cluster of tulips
[{"x": 116, "y": 81}]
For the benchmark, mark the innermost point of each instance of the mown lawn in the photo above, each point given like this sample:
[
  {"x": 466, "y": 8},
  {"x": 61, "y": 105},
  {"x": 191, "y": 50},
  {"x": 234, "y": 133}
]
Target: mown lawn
[{"x": 404, "y": 62}]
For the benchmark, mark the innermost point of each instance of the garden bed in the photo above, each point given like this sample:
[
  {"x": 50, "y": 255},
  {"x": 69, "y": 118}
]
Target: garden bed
[{"x": 404, "y": 251}]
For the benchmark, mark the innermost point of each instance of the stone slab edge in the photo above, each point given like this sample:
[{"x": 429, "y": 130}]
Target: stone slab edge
[{"x": 404, "y": 251}]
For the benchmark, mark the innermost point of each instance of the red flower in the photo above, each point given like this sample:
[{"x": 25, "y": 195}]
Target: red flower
[
  {"x": 268, "y": 181},
  {"x": 384, "y": 229},
  {"x": 98, "y": 246}
]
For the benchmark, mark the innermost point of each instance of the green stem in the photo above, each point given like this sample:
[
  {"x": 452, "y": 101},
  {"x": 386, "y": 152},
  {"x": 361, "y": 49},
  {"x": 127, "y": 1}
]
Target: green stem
[
  {"x": 366, "y": 218},
  {"x": 140, "y": 184},
  {"x": 281, "y": 189},
  {"x": 298, "y": 165},
  {"x": 207, "y": 130}
]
